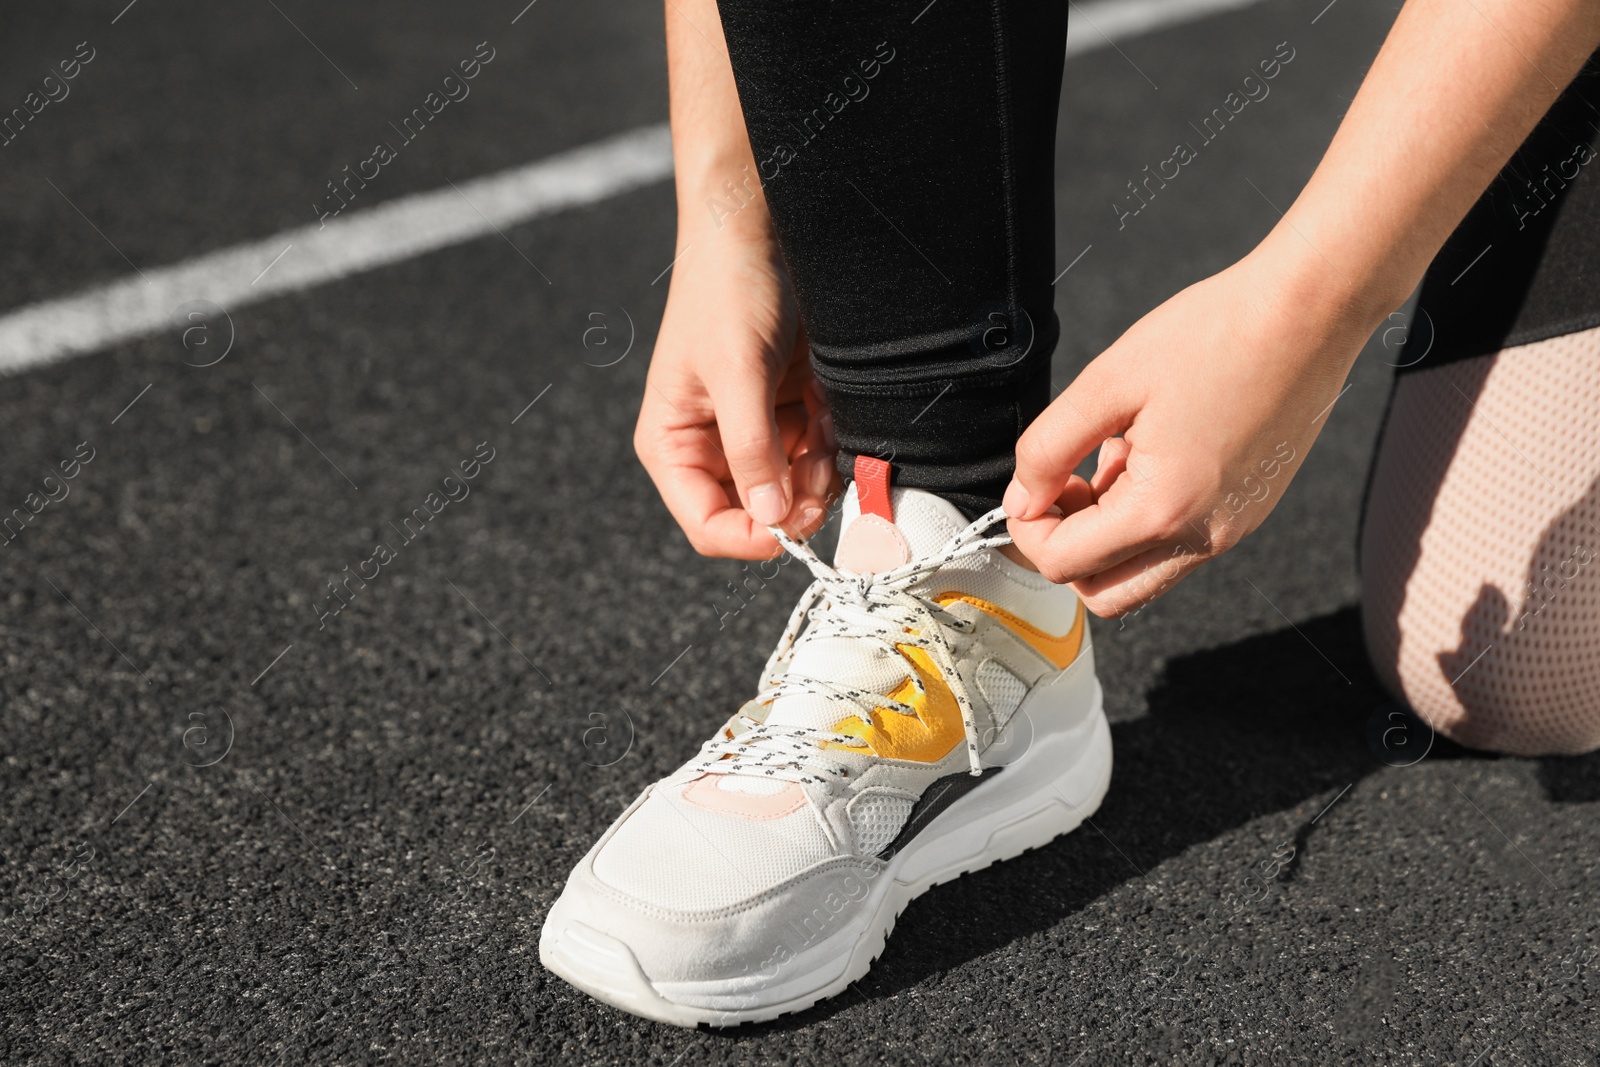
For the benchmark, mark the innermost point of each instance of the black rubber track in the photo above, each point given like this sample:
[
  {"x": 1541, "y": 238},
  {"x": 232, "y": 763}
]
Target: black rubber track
[{"x": 363, "y": 876}]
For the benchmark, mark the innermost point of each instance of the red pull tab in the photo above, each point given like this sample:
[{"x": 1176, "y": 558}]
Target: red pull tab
[{"x": 872, "y": 487}]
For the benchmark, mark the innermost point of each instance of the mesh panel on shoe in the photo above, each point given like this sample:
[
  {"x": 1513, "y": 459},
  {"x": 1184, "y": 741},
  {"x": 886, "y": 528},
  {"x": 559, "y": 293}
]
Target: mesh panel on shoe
[
  {"x": 675, "y": 855},
  {"x": 1002, "y": 689},
  {"x": 876, "y": 819},
  {"x": 1481, "y": 547}
]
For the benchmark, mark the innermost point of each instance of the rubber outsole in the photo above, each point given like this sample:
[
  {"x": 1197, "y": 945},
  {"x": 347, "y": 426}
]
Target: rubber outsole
[{"x": 606, "y": 969}]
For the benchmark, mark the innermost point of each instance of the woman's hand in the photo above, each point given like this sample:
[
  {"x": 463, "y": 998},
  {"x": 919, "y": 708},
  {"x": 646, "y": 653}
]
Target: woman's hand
[
  {"x": 732, "y": 429},
  {"x": 1217, "y": 396},
  {"x": 1219, "y": 392}
]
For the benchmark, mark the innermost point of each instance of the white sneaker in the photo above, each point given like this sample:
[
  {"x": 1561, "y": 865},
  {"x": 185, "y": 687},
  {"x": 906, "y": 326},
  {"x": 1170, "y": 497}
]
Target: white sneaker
[{"x": 932, "y": 708}]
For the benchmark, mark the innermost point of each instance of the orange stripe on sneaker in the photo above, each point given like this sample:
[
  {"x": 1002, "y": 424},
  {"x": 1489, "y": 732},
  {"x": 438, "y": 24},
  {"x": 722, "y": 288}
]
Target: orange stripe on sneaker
[
  {"x": 926, "y": 737},
  {"x": 936, "y": 728},
  {"x": 1058, "y": 650}
]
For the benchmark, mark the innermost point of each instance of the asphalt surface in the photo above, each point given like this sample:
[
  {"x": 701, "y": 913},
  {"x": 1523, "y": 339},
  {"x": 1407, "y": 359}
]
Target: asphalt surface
[{"x": 229, "y": 836}]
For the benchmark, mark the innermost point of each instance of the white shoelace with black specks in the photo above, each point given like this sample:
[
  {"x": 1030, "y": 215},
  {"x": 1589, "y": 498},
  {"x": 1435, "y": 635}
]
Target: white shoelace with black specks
[{"x": 874, "y": 607}]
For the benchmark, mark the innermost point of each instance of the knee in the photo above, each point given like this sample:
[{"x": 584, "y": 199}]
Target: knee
[
  {"x": 1522, "y": 718},
  {"x": 1487, "y": 682}
]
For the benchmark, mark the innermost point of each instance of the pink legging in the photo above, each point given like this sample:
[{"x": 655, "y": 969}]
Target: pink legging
[{"x": 1480, "y": 565}]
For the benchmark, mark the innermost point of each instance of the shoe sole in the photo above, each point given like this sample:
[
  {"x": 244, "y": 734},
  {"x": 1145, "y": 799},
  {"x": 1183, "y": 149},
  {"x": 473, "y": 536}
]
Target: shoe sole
[{"x": 1027, "y": 806}]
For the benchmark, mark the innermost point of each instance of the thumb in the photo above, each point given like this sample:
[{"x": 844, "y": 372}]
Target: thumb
[
  {"x": 1091, "y": 409},
  {"x": 747, "y": 423}
]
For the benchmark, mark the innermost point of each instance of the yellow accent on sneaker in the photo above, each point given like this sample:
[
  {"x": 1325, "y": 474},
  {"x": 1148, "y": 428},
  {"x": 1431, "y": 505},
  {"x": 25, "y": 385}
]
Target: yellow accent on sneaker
[
  {"x": 1060, "y": 651},
  {"x": 926, "y": 737}
]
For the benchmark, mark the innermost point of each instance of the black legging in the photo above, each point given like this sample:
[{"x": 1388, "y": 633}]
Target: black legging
[{"x": 907, "y": 152}]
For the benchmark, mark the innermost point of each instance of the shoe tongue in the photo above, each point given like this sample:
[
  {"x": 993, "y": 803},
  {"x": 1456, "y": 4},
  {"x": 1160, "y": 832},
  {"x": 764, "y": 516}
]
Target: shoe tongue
[{"x": 918, "y": 524}]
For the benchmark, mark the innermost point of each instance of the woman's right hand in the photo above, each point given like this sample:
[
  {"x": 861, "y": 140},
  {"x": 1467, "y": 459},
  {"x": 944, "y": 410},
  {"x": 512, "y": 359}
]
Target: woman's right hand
[{"x": 733, "y": 430}]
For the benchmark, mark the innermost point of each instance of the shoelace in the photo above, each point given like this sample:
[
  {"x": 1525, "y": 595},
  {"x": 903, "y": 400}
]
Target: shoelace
[{"x": 867, "y": 606}]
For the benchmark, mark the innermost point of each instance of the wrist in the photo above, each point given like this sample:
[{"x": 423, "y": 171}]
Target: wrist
[
  {"x": 1325, "y": 295},
  {"x": 720, "y": 193}
]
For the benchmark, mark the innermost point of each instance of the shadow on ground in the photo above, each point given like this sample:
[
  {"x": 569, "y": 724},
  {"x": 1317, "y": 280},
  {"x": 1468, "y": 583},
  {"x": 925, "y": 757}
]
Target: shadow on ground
[{"x": 1263, "y": 725}]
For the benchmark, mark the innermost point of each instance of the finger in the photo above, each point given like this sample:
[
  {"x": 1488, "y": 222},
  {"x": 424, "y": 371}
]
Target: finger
[
  {"x": 1116, "y": 527},
  {"x": 753, "y": 444},
  {"x": 814, "y": 438},
  {"x": 819, "y": 414},
  {"x": 817, "y": 451},
  {"x": 1137, "y": 582},
  {"x": 690, "y": 471},
  {"x": 816, "y": 482},
  {"x": 816, "y": 399},
  {"x": 794, "y": 409},
  {"x": 1113, "y": 460},
  {"x": 815, "y": 476},
  {"x": 812, "y": 462},
  {"x": 793, "y": 426},
  {"x": 808, "y": 515},
  {"x": 1086, "y": 413},
  {"x": 710, "y": 514},
  {"x": 1075, "y": 496}
]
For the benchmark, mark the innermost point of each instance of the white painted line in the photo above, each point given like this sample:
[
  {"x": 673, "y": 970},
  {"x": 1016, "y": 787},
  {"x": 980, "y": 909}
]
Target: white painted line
[
  {"x": 503, "y": 236},
  {"x": 425, "y": 222},
  {"x": 1085, "y": 15},
  {"x": 274, "y": 263},
  {"x": 1106, "y": 21},
  {"x": 356, "y": 241}
]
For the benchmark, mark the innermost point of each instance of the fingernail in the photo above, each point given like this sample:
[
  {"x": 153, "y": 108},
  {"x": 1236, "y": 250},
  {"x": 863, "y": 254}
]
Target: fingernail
[
  {"x": 1016, "y": 500},
  {"x": 827, "y": 431},
  {"x": 767, "y": 504},
  {"x": 810, "y": 517}
]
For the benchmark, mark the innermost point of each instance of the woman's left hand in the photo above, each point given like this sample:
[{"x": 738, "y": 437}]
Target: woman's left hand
[{"x": 1217, "y": 396}]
